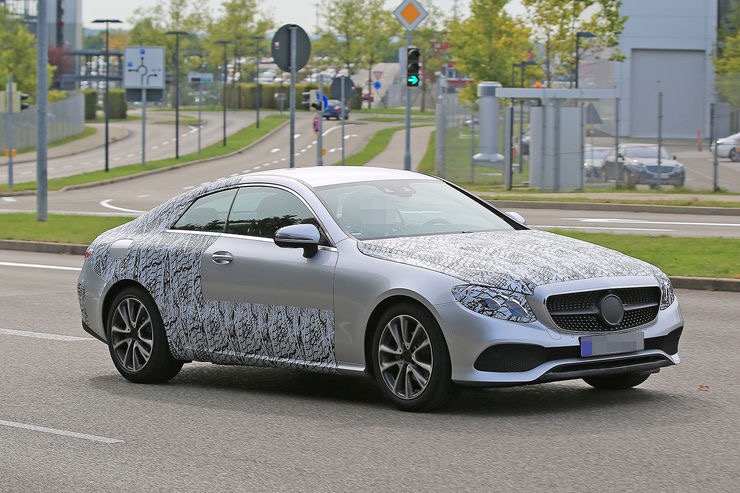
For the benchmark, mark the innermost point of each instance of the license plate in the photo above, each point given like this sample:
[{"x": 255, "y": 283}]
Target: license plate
[{"x": 598, "y": 345}]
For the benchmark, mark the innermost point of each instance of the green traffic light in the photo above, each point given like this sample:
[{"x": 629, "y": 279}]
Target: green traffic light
[{"x": 412, "y": 80}]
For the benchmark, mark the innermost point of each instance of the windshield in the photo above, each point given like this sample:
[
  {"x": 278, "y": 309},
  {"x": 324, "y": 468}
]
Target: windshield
[
  {"x": 650, "y": 152},
  {"x": 386, "y": 209}
]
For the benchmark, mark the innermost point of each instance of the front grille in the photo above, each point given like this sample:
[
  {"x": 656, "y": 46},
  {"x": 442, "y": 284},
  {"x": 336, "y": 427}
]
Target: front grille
[
  {"x": 579, "y": 312},
  {"x": 663, "y": 169}
]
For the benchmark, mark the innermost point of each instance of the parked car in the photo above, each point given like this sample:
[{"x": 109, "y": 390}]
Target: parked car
[
  {"x": 593, "y": 162},
  {"x": 398, "y": 275},
  {"x": 728, "y": 147},
  {"x": 334, "y": 110},
  {"x": 637, "y": 164}
]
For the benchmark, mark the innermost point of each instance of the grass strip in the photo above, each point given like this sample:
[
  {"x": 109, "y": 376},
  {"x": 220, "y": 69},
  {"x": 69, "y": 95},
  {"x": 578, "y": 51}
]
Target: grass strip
[
  {"x": 693, "y": 257},
  {"x": 58, "y": 228},
  {"x": 676, "y": 256}
]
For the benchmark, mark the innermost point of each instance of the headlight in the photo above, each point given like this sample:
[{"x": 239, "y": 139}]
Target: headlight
[
  {"x": 667, "y": 295},
  {"x": 496, "y": 303}
]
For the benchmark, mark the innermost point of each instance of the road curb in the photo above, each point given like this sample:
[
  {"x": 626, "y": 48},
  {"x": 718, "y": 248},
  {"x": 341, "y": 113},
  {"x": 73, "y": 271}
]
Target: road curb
[{"x": 681, "y": 282}]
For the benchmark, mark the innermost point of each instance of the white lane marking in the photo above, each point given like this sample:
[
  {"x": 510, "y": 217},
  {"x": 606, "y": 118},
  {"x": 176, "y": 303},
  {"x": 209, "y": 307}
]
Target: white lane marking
[
  {"x": 273, "y": 151},
  {"x": 55, "y": 431},
  {"x": 9, "y": 199},
  {"x": 154, "y": 148},
  {"x": 296, "y": 136},
  {"x": 38, "y": 266},
  {"x": 643, "y": 221},
  {"x": 607, "y": 228},
  {"x": 43, "y": 335},
  {"x": 190, "y": 187},
  {"x": 106, "y": 203}
]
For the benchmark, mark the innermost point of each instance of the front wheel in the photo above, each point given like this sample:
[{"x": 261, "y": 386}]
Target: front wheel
[
  {"x": 410, "y": 359},
  {"x": 617, "y": 382},
  {"x": 734, "y": 155},
  {"x": 136, "y": 339}
]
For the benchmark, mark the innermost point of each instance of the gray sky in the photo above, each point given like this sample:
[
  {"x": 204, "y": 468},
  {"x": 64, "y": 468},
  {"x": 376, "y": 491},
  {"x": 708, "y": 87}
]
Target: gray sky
[{"x": 299, "y": 12}]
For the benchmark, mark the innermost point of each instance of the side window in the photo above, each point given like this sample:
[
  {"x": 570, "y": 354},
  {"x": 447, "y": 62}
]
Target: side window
[
  {"x": 260, "y": 211},
  {"x": 207, "y": 213}
]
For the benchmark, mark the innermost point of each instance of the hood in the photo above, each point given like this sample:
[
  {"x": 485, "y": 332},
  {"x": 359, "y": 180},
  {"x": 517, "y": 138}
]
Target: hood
[{"x": 513, "y": 260}]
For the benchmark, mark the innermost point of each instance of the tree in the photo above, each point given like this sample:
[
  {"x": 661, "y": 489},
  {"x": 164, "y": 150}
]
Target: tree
[
  {"x": 152, "y": 24},
  {"x": 379, "y": 27},
  {"x": 17, "y": 53},
  {"x": 487, "y": 43},
  {"x": 342, "y": 37},
  {"x": 246, "y": 29},
  {"x": 727, "y": 57},
  {"x": 555, "y": 24}
]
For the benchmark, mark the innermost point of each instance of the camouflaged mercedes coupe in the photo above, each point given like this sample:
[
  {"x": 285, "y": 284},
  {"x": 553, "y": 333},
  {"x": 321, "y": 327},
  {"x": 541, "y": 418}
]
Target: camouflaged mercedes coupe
[{"x": 400, "y": 275}]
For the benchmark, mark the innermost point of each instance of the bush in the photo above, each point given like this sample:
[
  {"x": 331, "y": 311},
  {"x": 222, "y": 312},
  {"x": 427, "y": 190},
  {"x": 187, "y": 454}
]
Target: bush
[
  {"x": 117, "y": 103},
  {"x": 91, "y": 103}
]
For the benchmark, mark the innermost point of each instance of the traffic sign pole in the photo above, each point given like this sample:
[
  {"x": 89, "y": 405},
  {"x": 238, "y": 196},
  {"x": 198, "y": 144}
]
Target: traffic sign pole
[
  {"x": 10, "y": 131},
  {"x": 292, "y": 96},
  {"x": 407, "y": 154},
  {"x": 320, "y": 138}
]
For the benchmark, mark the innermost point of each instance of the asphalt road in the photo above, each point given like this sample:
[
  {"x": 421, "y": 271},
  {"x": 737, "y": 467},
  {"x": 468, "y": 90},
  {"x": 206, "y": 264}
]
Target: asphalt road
[
  {"x": 160, "y": 143},
  {"x": 69, "y": 422}
]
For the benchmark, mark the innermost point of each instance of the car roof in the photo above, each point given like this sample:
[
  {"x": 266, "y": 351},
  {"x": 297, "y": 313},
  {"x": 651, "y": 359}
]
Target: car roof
[{"x": 319, "y": 176}]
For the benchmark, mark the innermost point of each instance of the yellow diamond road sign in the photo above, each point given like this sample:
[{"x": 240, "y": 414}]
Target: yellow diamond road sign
[{"x": 410, "y": 13}]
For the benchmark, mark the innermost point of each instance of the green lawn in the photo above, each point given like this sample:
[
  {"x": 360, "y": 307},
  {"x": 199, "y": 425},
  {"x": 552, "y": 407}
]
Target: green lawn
[{"x": 694, "y": 257}]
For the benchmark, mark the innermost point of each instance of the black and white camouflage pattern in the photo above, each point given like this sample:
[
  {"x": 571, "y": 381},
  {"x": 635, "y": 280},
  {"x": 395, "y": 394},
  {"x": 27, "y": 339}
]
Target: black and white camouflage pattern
[
  {"x": 167, "y": 265},
  {"x": 516, "y": 261}
]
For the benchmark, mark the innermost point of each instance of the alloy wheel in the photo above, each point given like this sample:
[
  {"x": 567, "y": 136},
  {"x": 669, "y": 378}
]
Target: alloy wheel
[
  {"x": 131, "y": 334},
  {"x": 405, "y": 357}
]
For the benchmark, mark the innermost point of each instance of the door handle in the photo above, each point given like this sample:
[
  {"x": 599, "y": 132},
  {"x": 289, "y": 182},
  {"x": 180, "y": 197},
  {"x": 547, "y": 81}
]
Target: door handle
[{"x": 222, "y": 257}]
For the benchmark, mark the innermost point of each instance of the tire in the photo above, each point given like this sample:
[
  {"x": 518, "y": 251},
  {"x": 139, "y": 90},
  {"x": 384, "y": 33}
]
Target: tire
[
  {"x": 136, "y": 339},
  {"x": 620, "y": 381},
  {"x": 734, "y": 155},
  {"x": 410, "y": 359}
]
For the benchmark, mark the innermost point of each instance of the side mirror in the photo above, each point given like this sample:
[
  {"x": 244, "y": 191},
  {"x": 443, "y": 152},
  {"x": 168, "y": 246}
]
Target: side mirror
[
  {"x": 304, "y": 236},
  {"x": 516, "y": 217}
]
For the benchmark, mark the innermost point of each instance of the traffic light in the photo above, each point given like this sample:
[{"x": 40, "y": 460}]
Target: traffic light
[
  {"x": 315, "y": 102},
  {"x": 412, "y": 67},
  {"x": 18, "y": 101},
  {"x": 23, "y": 97}
]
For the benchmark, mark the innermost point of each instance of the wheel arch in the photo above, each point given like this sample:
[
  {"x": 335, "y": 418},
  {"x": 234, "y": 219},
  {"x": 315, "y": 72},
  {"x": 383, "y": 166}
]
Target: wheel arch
[
  {"x": 114, "y": 290},
  {"x": 378, "y": 311}
]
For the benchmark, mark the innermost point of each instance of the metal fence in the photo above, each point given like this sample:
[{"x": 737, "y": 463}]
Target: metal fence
[
  {"x": 65, "y": 119},
  {"x": 599, "y": 166}
]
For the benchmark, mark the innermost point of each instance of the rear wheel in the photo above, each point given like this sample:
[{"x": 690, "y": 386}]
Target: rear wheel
[
  {"x": 617, "y": 382},
  {"x": 136, "y": 339},
  {"x": 734, "y": 155},
  {"x": 410, "y": 359}
]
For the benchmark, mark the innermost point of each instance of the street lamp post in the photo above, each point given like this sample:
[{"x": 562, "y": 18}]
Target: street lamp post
[
  {"x": 579, "y": 35},
  {"x": 177, "y": 35},
  {"x": 226, "y": 73},
  {"x": 107, "y": 23},
  {"x": 257, "y": 80}
]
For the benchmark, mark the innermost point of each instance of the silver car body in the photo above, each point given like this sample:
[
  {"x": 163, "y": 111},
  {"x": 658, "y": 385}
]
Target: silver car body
[{"x": 236, "y": 299}]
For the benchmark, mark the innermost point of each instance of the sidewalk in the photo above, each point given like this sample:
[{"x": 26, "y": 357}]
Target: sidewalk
[{"x": 115, "y": 133}]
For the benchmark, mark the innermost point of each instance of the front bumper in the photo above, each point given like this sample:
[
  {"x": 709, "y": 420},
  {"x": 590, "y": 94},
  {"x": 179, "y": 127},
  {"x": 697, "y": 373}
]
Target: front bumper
[{"x": 489, "y": 352}]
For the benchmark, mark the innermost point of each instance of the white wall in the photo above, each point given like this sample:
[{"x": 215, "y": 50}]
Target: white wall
[{"x": 670, "y": 41}]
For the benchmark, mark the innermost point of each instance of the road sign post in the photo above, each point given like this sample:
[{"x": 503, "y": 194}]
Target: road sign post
[
  {"x": 340, "y": 88},
  {"x": 291, "y": 49},
  {"x": 409, "y": 13},
  {"x": 144, "y": 71}
]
